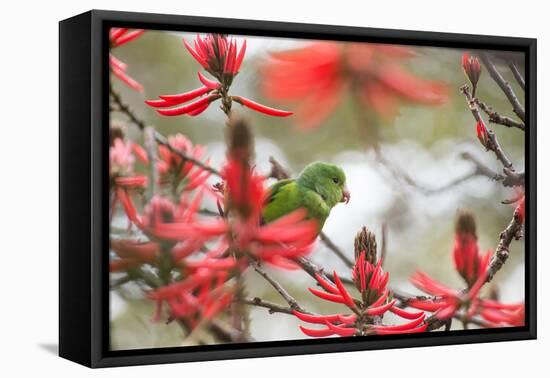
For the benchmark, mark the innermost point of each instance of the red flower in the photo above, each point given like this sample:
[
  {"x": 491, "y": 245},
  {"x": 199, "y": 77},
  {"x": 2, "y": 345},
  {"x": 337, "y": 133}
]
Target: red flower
[
  {"x": 132, "y": 254},
  {"x": 473, "y": 267},
  {"x": 196, "y": 299},
  {"x": 174, "y": 170},
  {"x": 220, "y": 57},
  {"x": 277, "y": 243},
  {"x": 371, "y": 282},
  {"x": 317, "y": 75},
  {"x": 472, "y": 69},
  {"x": 469, "y": 263},
  {"x": 121, "y": 164},
  {"x": 119, "y": 37}
]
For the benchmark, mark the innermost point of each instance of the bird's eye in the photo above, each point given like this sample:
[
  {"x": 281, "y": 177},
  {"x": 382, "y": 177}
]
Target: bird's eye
[{"x": 335, "y": 180}]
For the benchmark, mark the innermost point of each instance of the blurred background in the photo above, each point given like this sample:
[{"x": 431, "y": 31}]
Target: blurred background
[{"x": 423, "y": 141}]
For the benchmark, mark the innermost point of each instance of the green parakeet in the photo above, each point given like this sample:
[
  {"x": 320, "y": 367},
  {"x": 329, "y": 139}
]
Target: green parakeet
[{"x": 318, "y": 188}]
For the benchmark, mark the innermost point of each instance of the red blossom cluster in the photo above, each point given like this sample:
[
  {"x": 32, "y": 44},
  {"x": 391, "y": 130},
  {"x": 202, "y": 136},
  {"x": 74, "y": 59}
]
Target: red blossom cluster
[
  {"x": 209, "y": 251},
  {"x": 472, "y": 267},
  {"x": 197, "y": 299},
  {"x": 367, "y": 312},
  {"x": 318, "y": 75},
  {"x": 175, "y": 170},
  {"x": 221, "y": 57},
  {"x": 119, "y": 37}
]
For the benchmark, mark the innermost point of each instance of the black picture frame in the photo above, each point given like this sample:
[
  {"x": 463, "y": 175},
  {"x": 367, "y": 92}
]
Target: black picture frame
[{"x": 83, "y": 181}]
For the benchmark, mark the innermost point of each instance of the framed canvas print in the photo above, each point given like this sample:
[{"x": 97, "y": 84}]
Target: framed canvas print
[{"x": 234, "y": 188}]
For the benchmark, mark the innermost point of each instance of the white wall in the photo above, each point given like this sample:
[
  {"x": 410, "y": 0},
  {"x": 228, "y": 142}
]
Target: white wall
[{"x": 28, "y": 189}]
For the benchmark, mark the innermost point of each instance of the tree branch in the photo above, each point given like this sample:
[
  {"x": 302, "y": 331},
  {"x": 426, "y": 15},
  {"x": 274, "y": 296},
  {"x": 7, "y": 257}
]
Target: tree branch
[
  {"x": 495, "y": 117},
  {"x": 502, "y": 252},
  {"x": 272, "y": 307},
  {"x": 517, "y": 75},
  {"x": 278, "y": 287},
  {"x": 492, "y": 143},
  {"x": 334, "y": 248},
  {"x": 504, "y": 86}
]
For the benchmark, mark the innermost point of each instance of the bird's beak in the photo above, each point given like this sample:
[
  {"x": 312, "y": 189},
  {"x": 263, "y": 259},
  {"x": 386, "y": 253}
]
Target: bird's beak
[{"x": 345, "y": 195}]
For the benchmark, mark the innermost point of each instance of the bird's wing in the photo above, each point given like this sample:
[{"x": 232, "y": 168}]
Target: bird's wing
[
  {"x": 284, "y": 198},
  {"x": 287, "y": 196},
  {"x": 317, "y": 208}
]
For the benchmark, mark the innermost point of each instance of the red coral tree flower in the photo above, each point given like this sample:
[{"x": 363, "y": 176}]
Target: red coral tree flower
[
  {"x": 173, "y": 169},
  {"x": 119, "y": 37},
  {"x": 472, "y": 267},
  {"x": 317, "y": 76},
  {"x": 195, "y": 300},
  {"x": 221, "y": 57},
  {"x": 132, "y": 254},
  {"x": 365, "y": 314}
]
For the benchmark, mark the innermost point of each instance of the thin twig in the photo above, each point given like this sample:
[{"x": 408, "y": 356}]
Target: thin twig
[
  {"x": 495, "y": 117},
  {"x": 384, "y": 243},
  {"x": 334, "y": 248},
  {"x": 502, "y": 252},
  {"x": 492, "y": 142},
  {"x": 272, "y": 307},
  {"x": 151, "y": 147},
  {"x": 517, "y": 75},
  {"x": 504, "y": 86},
  {"x": 278, "y": 287}
]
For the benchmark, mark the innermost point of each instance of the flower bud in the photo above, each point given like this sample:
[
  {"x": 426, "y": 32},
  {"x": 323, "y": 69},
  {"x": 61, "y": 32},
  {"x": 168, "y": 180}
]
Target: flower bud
[
  {"x": 365, "y": 241},
  {"x": 472, "y": 69},
  {"x": 466, "y": 250},
  {"x": 482, "y": 134}
]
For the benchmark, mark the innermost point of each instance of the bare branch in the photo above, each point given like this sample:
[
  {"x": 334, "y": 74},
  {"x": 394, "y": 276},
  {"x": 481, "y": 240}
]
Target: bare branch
[
  {"x": 495, "y": 117},
  {"x": 151, "y": 147},
  {"x": 384, "y": 243},
  {"x": 334, "y": 248},
  {"x": 504, "y": 86},
  {"x": 492, "y": 143},
  {"x": 278, "y": 287},
  {"x": 517, "y": 75},
  {"x": 502, "y": 252},
  {"x": 272, "y": 307}
]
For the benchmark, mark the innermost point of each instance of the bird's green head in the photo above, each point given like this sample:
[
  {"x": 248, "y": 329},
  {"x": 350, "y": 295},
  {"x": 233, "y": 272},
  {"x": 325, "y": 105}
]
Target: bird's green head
[{"x": 327, "y": 180}]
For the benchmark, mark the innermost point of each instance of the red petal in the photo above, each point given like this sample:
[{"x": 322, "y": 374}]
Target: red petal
[
  {"x": 240, "y": 58},
  {"x": 373, "y": 311},
  {"x": 317, "y": 332},
  {"x": 187, "y": 96},
  {"x": 341, "y": 331},
  {"x": 404, "y": 326},
  {"x": 315, "y": 319},
  {"x": 195, "y": 55},
  {"x": 261, "y": 108},
  {"x": 326, "y": 284},
  {"x": 207, "y": 82},
  {"x": 327, "y": 296},
  {"x": 347, "y": 298},
  {"x": 189, "y": 107},
  {"x": 405, "y": 314},
  {"x": 127, "y": 79},
  {"x": 383, "y": 331},
  {"x": 128, "y": 37}
]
